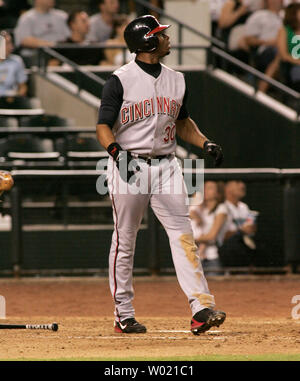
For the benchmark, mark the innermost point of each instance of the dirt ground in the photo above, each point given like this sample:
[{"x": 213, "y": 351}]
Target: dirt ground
[{"x": 258, "y": 320}]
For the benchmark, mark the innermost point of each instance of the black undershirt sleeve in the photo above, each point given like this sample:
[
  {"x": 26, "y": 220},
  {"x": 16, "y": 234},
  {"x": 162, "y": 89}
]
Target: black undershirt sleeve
[
  {"x": 111, "y": 101},
  {"x": 183, "y": 113}
]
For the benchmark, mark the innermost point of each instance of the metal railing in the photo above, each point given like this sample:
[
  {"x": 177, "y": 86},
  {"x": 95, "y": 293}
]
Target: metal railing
[
  {"x": 42, "y": 64},
  {"x": 212, "y": 53},
  {"x": 216, "y": 49},
  {"x": 256, "y": 74},
  {"x": 182, "y": 25},
  {"x": 23, "y": 177}
]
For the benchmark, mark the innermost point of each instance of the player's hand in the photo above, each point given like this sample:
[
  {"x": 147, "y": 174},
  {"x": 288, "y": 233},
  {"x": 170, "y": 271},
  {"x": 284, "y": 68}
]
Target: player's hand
[
  {"x": 215, "y": 151},
  {"x": 126, "y": 165},
  {"x": 124, "y": 162},
  {"x": 248, "y": 228}
]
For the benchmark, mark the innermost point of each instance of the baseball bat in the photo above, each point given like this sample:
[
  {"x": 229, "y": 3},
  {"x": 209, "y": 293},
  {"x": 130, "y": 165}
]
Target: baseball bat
[{"x": 52, "y": 327}]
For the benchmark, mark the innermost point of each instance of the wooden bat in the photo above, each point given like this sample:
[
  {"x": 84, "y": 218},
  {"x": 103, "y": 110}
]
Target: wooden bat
[{"x": 52, "y": 327}]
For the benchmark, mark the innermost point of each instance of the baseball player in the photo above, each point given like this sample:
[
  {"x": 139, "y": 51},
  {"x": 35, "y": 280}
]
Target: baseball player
[{"x": 143, "y": 107}]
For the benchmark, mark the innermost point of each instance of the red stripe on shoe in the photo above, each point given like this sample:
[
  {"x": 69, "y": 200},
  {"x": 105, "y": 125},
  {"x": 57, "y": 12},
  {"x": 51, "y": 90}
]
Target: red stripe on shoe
[
  {"x": 196, "y": 324},
  {"x": 118, "y": 330}
]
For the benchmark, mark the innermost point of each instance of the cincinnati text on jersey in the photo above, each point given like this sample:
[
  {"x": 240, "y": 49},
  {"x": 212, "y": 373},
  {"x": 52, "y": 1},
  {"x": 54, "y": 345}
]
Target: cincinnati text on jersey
[{"x": 148, "y": 108}]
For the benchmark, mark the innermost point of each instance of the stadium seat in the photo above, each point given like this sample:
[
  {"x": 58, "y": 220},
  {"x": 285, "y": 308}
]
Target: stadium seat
[
  {"x": 19, "y": 106},
  {"x": 81, "y": 148},
  {"x": 3, "y": 148},
  {"x": 8, "y": 122},
  {"x": 45, "y": 120},
  {"x": 28, "y": 149},
  {"x": 15, "y": 103}
]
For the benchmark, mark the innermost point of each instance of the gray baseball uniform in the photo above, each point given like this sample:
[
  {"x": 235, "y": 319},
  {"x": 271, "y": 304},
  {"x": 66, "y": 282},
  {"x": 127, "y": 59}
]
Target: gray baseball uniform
[{"x": 145, "y": 126}]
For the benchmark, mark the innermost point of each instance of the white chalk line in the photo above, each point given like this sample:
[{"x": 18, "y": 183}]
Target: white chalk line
[
  {"x": 189, "y": 336},
  {"x": 182, "y": 331},
  {"x": 143, "y": 338},
  {"x": 129, "y": 337}
]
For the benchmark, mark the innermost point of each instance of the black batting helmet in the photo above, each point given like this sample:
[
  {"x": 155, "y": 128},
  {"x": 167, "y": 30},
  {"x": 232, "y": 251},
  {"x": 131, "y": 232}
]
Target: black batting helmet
[{"x": 140, "y": 34}]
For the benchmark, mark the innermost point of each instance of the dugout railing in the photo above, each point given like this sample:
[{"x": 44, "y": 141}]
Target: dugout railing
[
  {"x": 274, "y": 192},
  {"x": 89, "y": 81}
]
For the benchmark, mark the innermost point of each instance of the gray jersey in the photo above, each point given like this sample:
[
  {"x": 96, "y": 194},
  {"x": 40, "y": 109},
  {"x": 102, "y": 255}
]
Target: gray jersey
[
  {"x": 50, "y": 26},
  {"x": 264, "y": 25},
  {"x": 99, "y": 30},
  {"x": 146, "y": 123}
]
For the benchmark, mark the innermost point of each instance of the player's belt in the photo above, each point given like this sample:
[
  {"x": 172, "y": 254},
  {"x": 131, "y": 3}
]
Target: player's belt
[{"x": 149, "y": 158}]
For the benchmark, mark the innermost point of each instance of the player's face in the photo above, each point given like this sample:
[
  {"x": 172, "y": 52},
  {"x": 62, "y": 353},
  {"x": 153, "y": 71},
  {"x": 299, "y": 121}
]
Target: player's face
[{"x": 163, "y": 44}]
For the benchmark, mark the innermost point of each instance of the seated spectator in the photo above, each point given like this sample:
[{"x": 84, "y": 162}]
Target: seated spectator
[
  {"x": 79, "y": 24},
  {"x": 288, "y": 46},
  {"x": 13, "y": 77},
  {"x": 41, "y": 26},
  {"x": 262, "y": 28},
  {"x": 126, "y": 6},
  {"x": 288, "y": 2},
  {"x": 208, "y": 224},
  {"x": 116, "y": 56},
  {"x": 233, "y": 13},
  {"x": 10, "y": 11},
  {"x": 102, "y": 22},
  {"x": 142, "y": 10},
  {"x": 233, "y": 17},
  {"x": 238, "y": 246},
  {"x": 215, "y": 12}
]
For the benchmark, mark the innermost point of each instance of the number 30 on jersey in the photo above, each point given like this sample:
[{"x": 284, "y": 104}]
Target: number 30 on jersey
[{"x": 169, "y": 133}]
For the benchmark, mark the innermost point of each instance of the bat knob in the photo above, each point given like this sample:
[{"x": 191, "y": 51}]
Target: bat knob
[{"x": 54, "y": 327}]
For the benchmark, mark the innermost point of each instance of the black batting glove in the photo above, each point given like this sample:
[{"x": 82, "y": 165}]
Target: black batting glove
[
  {"x": 215, "y": 151},
  {"x": 123, "y": 161}
]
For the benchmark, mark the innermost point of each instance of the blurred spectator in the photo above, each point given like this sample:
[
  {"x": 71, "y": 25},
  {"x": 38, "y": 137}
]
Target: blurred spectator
[
  {"x": 79, "y": 24},
  {"x": 238, "y": 246},
  {"x": 232, "y": 19},
  {"x": 125, "y": 6},
  {"x": 116, "y": 56},
  {"x": 41, "y": 26},
  {"x": 102, "y": 23},
  {"x": 233, "y": 13},
  {"x": 288, "y": 2},
  {"x": 208, "y": 224},
  {"x": 13, "y": 77},
  {"x": 141, "y": 10},
  {"x": 288, "y": 46},
  {"x": 215, "y": 11},
  {"x": 262, "y": 28},
  {"x": 10, "y": 11}
]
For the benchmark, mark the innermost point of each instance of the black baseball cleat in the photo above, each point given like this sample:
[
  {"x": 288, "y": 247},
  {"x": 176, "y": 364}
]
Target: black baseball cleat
[
  {"x": 129, "y": 326},
  {"x": 203, "y": 320}
]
